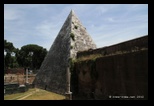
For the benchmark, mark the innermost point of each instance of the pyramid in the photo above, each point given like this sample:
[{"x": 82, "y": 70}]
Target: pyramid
[{"x": 72, "y": 38}]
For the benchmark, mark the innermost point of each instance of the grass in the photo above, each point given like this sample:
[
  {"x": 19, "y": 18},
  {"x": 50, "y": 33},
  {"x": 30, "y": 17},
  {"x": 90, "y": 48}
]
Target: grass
[
  {"x": 89, "y": 57},
  {"x": 38, "y": 95},
  {"x": 45, "y": 95},
  {"x": 17, "y": 95},
  {"x": 95, "y": 56}
]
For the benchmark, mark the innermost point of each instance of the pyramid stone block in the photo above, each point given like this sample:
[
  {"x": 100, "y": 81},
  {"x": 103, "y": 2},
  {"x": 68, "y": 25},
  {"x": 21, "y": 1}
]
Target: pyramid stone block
[{"x": 72, "y": 38}]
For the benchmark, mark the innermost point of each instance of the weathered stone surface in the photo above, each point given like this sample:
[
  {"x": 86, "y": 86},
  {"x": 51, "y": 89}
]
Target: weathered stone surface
[
  {"x": 121, "y": 71},
  {"x": 117, "y": 75},
  {"x": 71, "y": 39},
  {"x": 82, "y": 41},
  {"x": 127, "y": 46}
]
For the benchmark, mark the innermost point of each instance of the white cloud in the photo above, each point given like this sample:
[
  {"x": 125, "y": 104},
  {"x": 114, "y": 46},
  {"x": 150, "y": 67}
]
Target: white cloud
[
  {"x": 11, "y": 14},
  {"x": 106, "y": 23}
]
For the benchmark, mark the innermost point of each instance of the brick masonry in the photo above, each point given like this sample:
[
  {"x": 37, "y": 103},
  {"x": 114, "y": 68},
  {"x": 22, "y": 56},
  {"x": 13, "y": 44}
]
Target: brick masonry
[{"x": 117, "y": 76}]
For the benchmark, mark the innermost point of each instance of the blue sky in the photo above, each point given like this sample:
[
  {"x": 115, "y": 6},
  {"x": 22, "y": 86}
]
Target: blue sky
[{"x": 107, "y": 24}]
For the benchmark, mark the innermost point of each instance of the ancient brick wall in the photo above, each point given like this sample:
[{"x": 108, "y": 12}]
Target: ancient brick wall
[
  {"x": 131, "y": 45},
  {"x": 20, "y": 79},
  {"x": 120, "y": 73},
  {"x": 113, "y": 76},
  {"x": 15, "y": 71}
]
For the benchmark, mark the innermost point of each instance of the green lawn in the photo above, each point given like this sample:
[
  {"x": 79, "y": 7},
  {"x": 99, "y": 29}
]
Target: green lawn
[
  {"x": 17, "y": 95},
  {"x": 38, "y": 94}
]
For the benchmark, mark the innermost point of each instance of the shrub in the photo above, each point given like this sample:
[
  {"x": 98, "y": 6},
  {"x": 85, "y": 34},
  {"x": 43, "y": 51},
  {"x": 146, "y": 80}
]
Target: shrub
[
  {"x": 71, "y": 47},
  {"x": 72, "y": 36},
  {"x": 76, "y": 27}
]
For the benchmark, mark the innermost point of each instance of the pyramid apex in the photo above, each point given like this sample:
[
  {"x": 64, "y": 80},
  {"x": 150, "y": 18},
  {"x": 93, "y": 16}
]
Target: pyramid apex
[{"x": 72, "y": 11}]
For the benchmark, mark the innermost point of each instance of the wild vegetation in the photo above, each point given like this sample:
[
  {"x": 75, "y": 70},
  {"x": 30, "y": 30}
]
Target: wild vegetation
[
  {"x": 30, "y": 55},
  {"x": 72, "y": 36},
  {"x": 76, "y": 27}
]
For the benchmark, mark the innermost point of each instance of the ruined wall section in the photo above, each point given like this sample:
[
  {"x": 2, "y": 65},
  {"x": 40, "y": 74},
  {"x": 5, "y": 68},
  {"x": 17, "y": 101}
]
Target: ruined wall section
[
  {"x": 127, "y": 46},
  {"x": 118, "y": 75},
  {"x": 113, "y": 73}
]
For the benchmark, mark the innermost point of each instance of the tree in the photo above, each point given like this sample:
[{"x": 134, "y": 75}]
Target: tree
[
  {"x": 28, "y": 56},
  {"x": 31, "y": 56},
  {"x": 8, "y": 59},
  {"x": 8, "y": 46}
]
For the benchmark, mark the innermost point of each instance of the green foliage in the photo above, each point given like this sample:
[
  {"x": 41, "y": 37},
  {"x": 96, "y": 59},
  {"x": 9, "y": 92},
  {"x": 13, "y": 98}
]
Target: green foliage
[
  {"x": 9, "y": 59},
  {"x": 71, "y": 47},
  {"x": 76, "y": 27},
  {"x": 71, "y": 63},
  {"x": 31, "y": 56},
  {"x": 28, "y": 56},
  {"x": 8, "y": 47},
  {"x": 72, "y": 36},
  {"x": 89, "y": 57}
]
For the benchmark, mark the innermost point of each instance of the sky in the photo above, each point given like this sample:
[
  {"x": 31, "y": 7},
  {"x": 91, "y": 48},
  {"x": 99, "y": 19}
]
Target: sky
[{"x": 107, "y": 24}]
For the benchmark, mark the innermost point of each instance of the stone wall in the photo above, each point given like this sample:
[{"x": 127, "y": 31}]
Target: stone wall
[
  {"x": 15, "y": 71},
  {"x": 113, "y": 76},
  {"x": 20, "y": 79},
  {"x": 131, "y": 45},
  {"x": 121, "y": 72}
]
